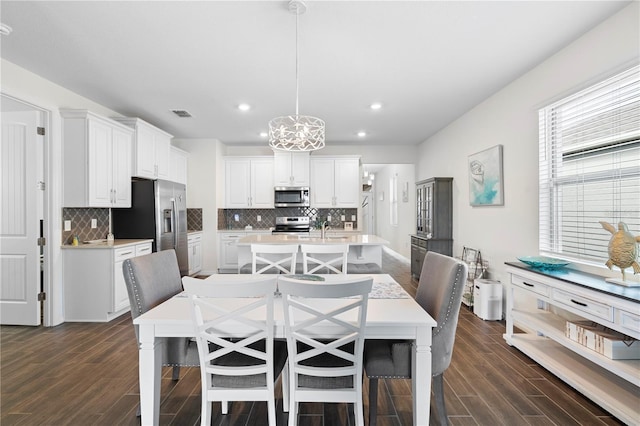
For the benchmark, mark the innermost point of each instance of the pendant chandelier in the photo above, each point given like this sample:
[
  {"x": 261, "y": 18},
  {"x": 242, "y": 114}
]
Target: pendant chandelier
[{"x": 296, "y": 132}]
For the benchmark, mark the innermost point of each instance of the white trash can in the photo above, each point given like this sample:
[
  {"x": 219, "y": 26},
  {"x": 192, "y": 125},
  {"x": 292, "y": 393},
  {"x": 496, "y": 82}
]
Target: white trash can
[{"x": 487, "y": 299}]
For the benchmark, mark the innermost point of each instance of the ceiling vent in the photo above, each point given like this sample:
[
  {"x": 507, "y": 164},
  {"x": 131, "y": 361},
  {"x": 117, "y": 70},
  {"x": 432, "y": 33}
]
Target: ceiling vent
[{"x": 181, "y": 113}]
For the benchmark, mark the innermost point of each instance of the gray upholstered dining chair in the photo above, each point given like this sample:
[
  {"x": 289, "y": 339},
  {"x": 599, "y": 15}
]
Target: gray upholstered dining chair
[
  {"x": 150, "y": 280},
  {"x": 440, "y": 293}
]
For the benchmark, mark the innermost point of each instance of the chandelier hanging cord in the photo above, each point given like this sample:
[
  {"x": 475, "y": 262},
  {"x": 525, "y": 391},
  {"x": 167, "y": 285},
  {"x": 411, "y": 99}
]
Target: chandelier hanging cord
[
  {"x": 297, "y": 52},
  {"x": 297, "y": 132}
]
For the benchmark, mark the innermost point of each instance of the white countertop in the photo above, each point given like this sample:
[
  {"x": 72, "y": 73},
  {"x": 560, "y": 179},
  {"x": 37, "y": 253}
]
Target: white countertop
[
  {"x": 118, "y": 243},
  {"x": 356, "y": 239}
]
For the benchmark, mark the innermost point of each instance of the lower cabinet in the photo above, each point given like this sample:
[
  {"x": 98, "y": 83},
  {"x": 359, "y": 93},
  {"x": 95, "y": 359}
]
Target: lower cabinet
[
  {"x": 228, "y": 249},
  {"x": 419, "y": 248},
  {"x": 94, "y": 286},
  {"x": 194, "y": 242}
]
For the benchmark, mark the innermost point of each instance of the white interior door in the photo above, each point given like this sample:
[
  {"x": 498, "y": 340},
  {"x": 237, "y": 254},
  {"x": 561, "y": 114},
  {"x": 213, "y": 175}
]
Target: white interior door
[{"x": 20, "y": 158}]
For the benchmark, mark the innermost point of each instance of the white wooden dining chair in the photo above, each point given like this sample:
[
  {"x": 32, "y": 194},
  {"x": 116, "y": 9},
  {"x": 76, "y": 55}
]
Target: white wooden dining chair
[
  {"x": 239, "y": 360},
  {"x": 272, "y": 259},
  {"x": 324, "y": 326},
  {"x": 324, "y": 258}
]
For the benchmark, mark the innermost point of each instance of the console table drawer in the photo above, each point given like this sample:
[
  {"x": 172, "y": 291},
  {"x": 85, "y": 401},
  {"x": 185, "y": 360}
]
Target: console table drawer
[
  {"x": 588, "y": 306},
  {"x": 530, "y": 285},
  {"x": 629, "y": 321}
]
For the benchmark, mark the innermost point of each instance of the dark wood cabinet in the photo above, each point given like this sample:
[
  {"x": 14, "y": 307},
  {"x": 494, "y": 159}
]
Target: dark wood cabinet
[{"x": 434, "y": 220}]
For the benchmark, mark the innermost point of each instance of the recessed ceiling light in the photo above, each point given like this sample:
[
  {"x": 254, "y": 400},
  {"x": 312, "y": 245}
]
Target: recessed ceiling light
[
  {"x": 264, "y": 134},
  {"x": 362, "y": 134},
  {"x": 244, "y": 107},
  {"x": 376, "y": 105}
]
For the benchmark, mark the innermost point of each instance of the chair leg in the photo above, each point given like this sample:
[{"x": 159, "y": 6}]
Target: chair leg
[
  {"x": 438, "y": 393},
  {"x": 285, "y": 388},
  {"x": 205, "y": 412},
  {"x": 358, "y": 409},
  {"x": 225, "y": 407},
  {"x": 176, "y": 373},
  {"x": 373, "y": 401},
  {"x": 271, "y": 408}
]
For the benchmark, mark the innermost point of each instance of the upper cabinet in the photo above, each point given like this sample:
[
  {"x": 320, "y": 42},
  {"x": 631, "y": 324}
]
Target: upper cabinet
[
  {"x": 290, "y": 168},
  {"x": 178, "y": 165},
  {"x": 334, "y": 182},
  {"x": 97, "y": 160},
  {"x": 151, "y": 149},
  {"x": 249, "y": 182}
]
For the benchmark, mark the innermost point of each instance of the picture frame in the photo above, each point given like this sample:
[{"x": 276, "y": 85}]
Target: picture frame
[{"x": 486, "y": 182}]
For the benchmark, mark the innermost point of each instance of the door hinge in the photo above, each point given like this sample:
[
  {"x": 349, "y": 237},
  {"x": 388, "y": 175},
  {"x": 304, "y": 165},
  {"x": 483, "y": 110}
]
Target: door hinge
[
  {"x": 42, "y": 296},
  {"x": 41, "y": 131},
  {"x": 41, "y": 185},
  {"x": 42, "y": 241}
]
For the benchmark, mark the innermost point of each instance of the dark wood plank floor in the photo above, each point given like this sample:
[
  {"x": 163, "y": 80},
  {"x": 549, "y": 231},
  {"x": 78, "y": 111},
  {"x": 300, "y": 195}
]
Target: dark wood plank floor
[{"x": 87, "y": 374}]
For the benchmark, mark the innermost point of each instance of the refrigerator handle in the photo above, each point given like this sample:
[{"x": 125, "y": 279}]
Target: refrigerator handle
[{"x": 174, "y": 225}]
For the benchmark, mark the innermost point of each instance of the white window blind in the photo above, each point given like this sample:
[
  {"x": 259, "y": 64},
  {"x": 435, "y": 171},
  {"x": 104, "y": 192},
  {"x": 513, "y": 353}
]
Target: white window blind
[{"x": 590, "y": 167}]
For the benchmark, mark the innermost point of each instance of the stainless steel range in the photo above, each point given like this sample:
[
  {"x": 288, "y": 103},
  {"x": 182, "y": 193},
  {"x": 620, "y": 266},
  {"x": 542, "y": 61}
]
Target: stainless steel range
[{"x": 292, "y": 225}]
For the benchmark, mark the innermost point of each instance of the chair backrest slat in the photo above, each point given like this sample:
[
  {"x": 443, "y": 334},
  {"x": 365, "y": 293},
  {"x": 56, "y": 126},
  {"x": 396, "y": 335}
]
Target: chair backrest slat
[
  {"x": 314, "y": 327},
  {"x": 324, "y": 258},
  {"x": 250, "y": 320},
  {"x": 273, "y": 258}
]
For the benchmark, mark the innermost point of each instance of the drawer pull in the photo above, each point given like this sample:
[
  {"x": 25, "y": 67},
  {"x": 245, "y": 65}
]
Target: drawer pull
[
  {"x": 578, "y": 303},
  {"x": 125, "y": 253},
  {"x": 527, "y": 284}
]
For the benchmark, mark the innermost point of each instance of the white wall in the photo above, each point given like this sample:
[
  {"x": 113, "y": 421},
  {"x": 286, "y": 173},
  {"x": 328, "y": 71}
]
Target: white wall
[
  {"x": 510, "y": 118},
  {"x": 397, "y": 235},
  {"x": 202, "y": 184},
  {"x": 33, "y": 89}
]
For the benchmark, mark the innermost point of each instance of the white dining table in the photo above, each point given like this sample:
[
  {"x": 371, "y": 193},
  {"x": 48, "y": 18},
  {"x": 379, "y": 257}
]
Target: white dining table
[{"x": 390, "y": 315}]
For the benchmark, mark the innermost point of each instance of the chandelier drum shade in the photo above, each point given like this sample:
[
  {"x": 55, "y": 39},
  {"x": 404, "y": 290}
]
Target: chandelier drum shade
[{"x": 296, "y": 132}]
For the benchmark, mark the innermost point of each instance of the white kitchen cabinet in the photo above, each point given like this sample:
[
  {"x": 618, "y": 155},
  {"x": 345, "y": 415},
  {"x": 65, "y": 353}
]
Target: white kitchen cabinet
[
  {"x": 194, "y": 242},
  {"x": 249, "y": 182},
  {"x": 290, "y": 168},
  {"x": 228, "y": 251},
  {"x": 178, "y": 165},
  {"x": 97, "y": 160},
  {"x": 334, "y": 182},
  {"x": 94, "y": 286},
  {"x": 151, "y": 149},
  {"x": 611, "y": 383},
  {"x": 228, "y": 248}
]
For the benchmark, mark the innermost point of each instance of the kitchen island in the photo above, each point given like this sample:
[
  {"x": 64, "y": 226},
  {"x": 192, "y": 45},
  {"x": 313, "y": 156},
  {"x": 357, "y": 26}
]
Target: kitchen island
[{"x": 365, "y": 251}]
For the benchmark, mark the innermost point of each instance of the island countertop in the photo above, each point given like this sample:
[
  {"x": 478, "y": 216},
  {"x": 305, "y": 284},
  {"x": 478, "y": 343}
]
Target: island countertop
[{"x": 352, "y": 240}]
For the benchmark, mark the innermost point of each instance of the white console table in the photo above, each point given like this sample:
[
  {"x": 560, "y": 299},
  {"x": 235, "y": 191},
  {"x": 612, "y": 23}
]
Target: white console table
[{"x": 566, "y": 293}]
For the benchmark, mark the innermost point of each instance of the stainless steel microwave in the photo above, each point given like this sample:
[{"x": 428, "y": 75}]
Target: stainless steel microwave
[{"x": 289, "y": 196}]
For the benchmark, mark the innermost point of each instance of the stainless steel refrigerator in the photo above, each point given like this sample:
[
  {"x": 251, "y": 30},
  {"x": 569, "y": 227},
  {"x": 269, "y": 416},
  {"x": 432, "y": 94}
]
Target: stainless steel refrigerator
[{"x": 158, "y": 211}]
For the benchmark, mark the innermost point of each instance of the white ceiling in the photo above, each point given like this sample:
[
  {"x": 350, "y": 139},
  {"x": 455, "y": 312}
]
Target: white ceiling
[{"x": 427, "y": 62}]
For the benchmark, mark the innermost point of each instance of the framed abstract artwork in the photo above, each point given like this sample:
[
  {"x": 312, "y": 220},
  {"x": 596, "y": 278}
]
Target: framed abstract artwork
[{"x": 486, "y": 186}]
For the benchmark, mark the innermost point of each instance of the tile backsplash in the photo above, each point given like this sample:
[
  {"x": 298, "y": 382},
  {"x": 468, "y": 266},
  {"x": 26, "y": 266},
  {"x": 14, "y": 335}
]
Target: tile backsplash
[
  {"x": 81, "y": 224},
  {"x": 194, "y": 219},
  {"x": 249, "y": 217}
]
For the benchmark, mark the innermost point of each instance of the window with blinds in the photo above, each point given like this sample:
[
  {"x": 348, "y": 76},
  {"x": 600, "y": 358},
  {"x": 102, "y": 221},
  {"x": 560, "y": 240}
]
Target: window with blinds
[{"x": 590, "y": 168}]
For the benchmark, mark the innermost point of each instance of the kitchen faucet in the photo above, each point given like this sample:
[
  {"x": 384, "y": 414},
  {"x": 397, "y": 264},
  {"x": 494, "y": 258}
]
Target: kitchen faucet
[{"x": 323, "y": 229}]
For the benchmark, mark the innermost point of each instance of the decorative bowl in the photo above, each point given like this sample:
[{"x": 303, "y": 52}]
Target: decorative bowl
[{"x": 543, "y": 262}]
